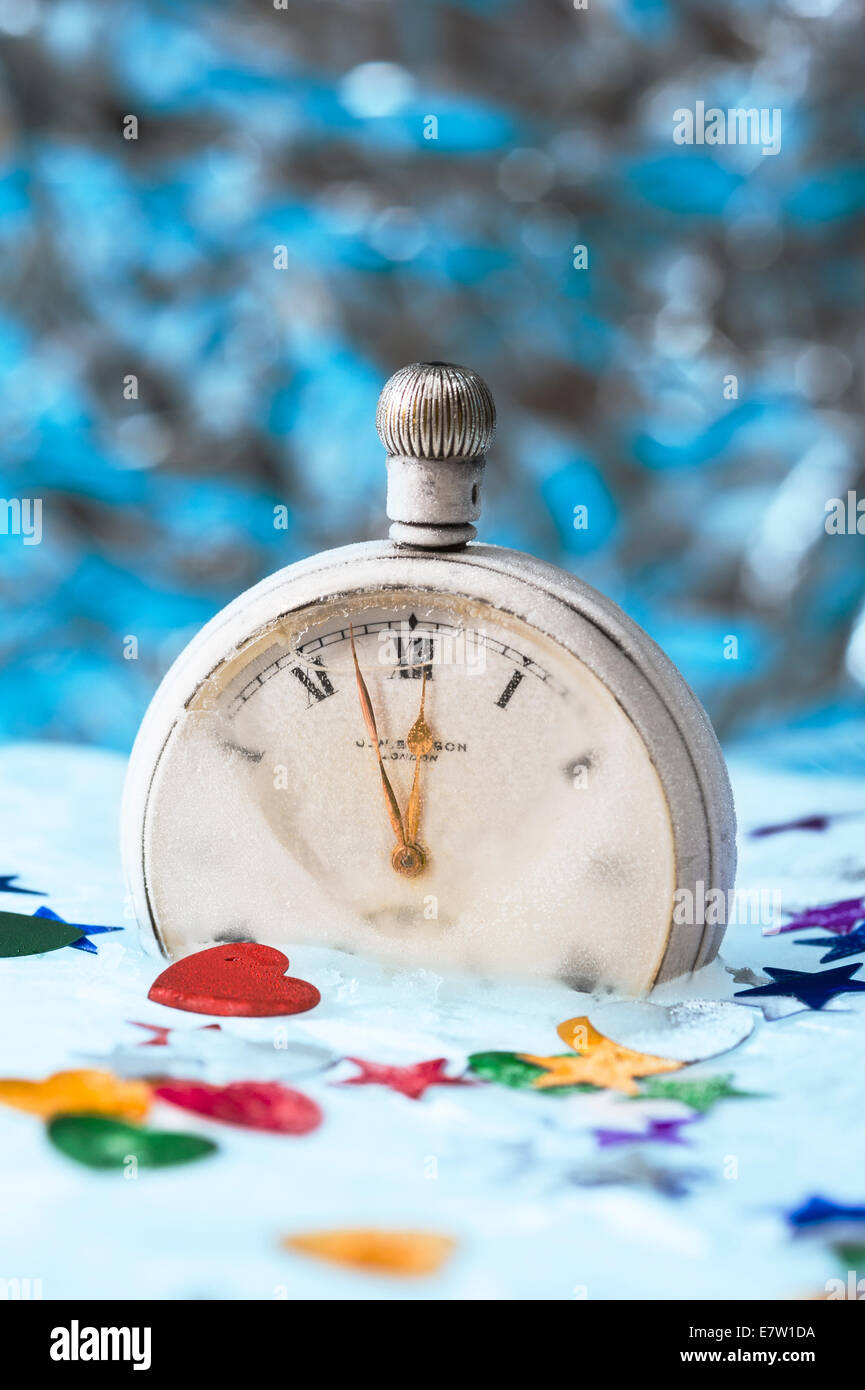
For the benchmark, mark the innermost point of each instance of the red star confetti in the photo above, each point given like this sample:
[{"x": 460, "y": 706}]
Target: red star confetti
[
  {"x": 410, "y": 1081},
  {"x": 160, "y": 1034}
]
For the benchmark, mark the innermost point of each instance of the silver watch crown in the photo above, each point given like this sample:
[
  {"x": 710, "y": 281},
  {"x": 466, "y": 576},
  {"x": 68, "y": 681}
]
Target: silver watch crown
[
  {"x": 436, "y": 410},
  {"x": 436, "y": 421}
]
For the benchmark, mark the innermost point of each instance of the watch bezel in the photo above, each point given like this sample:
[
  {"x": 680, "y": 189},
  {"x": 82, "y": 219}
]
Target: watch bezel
[{"x": 665, "y": 712}]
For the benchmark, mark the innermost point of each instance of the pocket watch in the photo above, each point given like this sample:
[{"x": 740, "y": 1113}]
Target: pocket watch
[{"x": 430, "y": 750}]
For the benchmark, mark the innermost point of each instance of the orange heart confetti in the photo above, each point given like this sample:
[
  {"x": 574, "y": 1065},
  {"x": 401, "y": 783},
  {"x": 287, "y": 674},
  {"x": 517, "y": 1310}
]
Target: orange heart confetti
[
  {"x": 411, "y": 1253},
  {"x": 78, "y": 1092},
  {"x": 600, "y": 1062}
]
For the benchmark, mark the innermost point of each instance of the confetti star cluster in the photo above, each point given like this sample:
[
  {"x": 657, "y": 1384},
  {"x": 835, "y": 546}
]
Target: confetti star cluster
[{"x": 600, "y": 1062}]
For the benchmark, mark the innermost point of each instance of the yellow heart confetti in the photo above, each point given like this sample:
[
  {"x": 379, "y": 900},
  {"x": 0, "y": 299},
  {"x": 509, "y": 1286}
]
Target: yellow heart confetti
[
  {"x": 78, "y": 1092},
  {"x": 600, "y": 1062},
  {"x": 381, "y": 1252}
]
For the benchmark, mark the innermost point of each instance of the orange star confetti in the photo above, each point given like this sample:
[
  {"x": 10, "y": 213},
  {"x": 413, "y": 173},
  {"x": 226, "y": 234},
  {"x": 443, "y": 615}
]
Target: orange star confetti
[
  {"x": 411, "y": 1253},
  {"x": 579, "y": 1034},
  {"x": 600, "y": 1062},
  {"x": 78, "y": 1092}
]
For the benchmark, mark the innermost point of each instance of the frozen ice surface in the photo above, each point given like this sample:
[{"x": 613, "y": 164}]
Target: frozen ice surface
[
  {"x": 512, "y": 1174},
  {"x": 687, "y": 1032},
  {"x": 203, "y": 1054}
]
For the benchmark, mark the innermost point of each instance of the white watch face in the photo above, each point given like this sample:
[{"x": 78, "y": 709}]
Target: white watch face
[{"x": 515, "y": 823}]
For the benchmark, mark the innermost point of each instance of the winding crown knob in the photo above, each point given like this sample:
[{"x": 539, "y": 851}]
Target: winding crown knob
[
  {"x": 436, "y": 410},
  {"x": 436, "y": 421}
]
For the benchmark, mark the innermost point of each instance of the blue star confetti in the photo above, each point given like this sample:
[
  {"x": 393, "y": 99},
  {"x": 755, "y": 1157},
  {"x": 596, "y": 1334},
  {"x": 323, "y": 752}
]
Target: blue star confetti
[
  {"x": 849, "y": 945},
  {"x": 82, "y": 944},
  {"x": 812, "y": 989},
  {"x": 9, "y": 885},
  {"x": 819, "y": 1214},
  {"x": 635, "y": 1170}
]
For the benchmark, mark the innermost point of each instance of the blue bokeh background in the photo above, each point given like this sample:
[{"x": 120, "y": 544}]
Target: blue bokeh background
[{"x": 320, "y": 192}]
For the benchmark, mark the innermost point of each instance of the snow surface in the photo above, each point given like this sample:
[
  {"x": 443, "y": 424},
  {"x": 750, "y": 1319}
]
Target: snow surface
[{"x": 497, "y": 1168}]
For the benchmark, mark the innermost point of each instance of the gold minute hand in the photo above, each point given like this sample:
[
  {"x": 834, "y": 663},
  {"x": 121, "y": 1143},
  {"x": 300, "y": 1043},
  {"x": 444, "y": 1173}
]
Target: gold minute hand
[
  {"x": 420, "y": 741},
  {"x": 369, "y": 719}
]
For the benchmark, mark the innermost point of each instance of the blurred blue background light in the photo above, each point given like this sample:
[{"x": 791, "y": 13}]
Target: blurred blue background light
[{"x": 320, "y": 193}]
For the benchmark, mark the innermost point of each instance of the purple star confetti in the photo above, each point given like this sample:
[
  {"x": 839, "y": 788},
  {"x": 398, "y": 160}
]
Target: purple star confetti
[
  {"x": 804, "y": 823},
  {"x": 840, "y": 918},
  {"x": 659, "y": 1132}
]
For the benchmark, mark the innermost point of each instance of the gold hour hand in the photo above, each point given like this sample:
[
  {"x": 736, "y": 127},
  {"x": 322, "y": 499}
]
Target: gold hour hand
[{"x": 369, "y": 719}]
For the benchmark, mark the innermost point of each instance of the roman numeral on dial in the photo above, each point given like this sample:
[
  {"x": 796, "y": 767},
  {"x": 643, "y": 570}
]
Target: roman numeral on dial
[
  {"x": 317, "y": 689},
  {"x": 509, "y": 689}
]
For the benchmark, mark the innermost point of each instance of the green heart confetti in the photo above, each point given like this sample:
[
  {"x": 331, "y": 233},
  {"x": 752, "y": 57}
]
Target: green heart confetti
[
  {"x": 699, "y": 1094},
  {"x": 510, "y": 1069},
  {"x": 98, "y": 1142},
  {"x": 21, "y": 935}
]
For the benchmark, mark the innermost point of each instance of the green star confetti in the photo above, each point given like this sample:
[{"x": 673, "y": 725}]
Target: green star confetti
[
  {"x": 510, "y": 1069},
  {"x": 850, "y": 1256},
  {"x": 699, "y": 1094},
  {"x": 102, "y": 1143}
]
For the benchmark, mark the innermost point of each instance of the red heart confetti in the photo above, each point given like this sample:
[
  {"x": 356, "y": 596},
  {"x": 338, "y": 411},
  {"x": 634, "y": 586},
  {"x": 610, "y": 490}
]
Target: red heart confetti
[
  {"x": 240, "y": 979},
  {"x": 253, "y": 1104}
]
